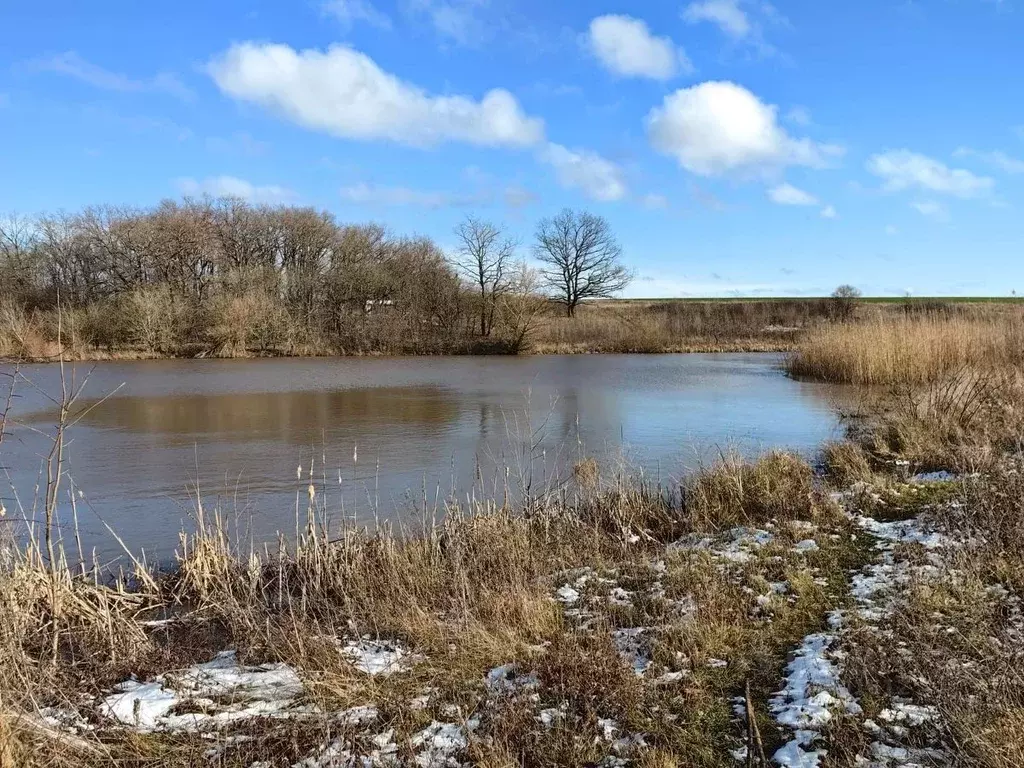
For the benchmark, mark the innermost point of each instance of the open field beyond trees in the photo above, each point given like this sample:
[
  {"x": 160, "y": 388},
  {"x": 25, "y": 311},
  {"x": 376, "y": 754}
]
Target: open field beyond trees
[{"x": 227, "y": 279}]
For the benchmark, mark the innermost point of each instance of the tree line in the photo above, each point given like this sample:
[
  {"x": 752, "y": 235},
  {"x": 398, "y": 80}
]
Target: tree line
[{"x": 228, "y": 277}]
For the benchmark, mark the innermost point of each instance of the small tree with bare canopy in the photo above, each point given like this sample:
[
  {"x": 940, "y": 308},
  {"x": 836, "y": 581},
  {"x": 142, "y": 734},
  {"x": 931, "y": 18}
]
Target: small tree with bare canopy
[
  {"x": 580, "y": 257},
  {"x": 484, "y": 256},
  {"x": 844, "y": 301}
]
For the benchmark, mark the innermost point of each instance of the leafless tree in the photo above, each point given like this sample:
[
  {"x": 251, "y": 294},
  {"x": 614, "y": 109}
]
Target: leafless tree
[
  {"x": 580, "y": 257},
  {"x": 184, "y": 254},
  {"x": 844, "y": 301},
  {"x": 74, "y": 269},
  {"x": 123, "y": 240},
  {"x": 483, "y": 257},
  {"x": 521, "y": 307},
  {"x": 18, "y": 263},
  {"x": 306, "y": 238},
  {"x": 246, "y": 240}
]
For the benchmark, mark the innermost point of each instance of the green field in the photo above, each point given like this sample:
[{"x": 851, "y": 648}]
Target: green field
[{"x": 864, "y": 299}]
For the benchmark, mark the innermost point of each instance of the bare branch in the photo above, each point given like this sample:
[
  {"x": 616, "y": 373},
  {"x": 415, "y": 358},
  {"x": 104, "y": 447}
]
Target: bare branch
[{"x": 581, "y": 258}]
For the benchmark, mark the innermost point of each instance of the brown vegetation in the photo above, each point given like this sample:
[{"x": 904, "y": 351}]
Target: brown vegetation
[
  {"x": 226, "y": 278},
  {"x": 473, "y": 593},
  {"x": 468, "y": 595},
  {"x": 910, "y": 350}
]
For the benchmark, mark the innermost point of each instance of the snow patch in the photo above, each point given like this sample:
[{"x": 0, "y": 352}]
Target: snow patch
[
  {"x": 737, "y": 545},
  {"x": 374, "y": 658},
  {"x": 942, "y": 476},
  {"x": 566, "y": 594},
  {"x": 218, "y": 692},
  {"x": 807, "y": 702}
]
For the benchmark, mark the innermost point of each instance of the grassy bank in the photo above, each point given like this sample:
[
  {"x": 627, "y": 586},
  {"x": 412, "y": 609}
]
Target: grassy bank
[
  {"x": 910, "y": 350},
  {"x": 848, "y": 613},
  {"x": 865, "y": 342},
  {"x": 588, "y": 626},
  {"x": 602, "y": 624}
]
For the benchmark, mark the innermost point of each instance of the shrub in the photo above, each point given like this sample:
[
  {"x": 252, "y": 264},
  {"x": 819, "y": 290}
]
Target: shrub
[
  {"x": 254, "y": 321},
  {"x": 736, "y": 492}
]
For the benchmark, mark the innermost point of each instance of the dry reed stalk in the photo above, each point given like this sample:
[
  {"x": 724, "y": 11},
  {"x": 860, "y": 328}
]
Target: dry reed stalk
[{"x": 909, "y": 350}]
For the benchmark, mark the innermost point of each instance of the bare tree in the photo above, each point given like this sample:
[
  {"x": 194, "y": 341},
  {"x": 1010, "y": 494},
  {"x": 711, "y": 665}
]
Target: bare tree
[
  {"x": 483, "y": 257},
  {"x": 581, "y": 258},
  {"x": 522, "y": 307},
  {"x": 18, "y": 268},
  {"x": 306, "y": 237},
  {"x": 844, "y": 301},
  {"x": 846, "y": 292}
]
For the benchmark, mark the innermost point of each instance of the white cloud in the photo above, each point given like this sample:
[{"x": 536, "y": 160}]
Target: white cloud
[
  {"x": 457, "y": 20},
  {"x": 626, "y": 47},
  {"x": 597, "y": 177},
  {"x": 787, "y": 194},
  {"x": 72, "y": 65},
  {"x": 512, "y": 196},
  {"x": 343, "y": 92},
  {"x": 367, "y": 194},
  {"x": 655, "y": 202},
  {"x": 891, "y": 230},
  {"x": 902, "y": 169},
  {"x": 799, "y": 116},
  {"x": 348, "y": 12},
  {"x": 828, "y": 212},
  {"x": 720, "y": 127},
  {"x": 996, "y": 159},
  {"x": 931, "y": 209},
  {"x": 725, "y": 14},
  {"x": 232, "y": 186}
]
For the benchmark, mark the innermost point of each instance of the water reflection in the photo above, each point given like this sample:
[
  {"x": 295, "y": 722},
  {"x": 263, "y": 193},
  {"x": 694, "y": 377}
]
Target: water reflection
[
  {"x": 381, "y": 431},
  {"x": 291, "y": 417}
]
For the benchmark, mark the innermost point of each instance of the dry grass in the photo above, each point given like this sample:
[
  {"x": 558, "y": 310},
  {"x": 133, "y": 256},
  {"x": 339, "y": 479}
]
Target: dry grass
[
  {"x": 845, "y": 463},
  {"x": 468, "y": 594},
  {"x": 677, "y": 326},
  {"x": 909, "y": 350},
  {"x": 954, "y": 640},
  {"x": 735, "y": 492},
  {"x": 965, "y": 421}
]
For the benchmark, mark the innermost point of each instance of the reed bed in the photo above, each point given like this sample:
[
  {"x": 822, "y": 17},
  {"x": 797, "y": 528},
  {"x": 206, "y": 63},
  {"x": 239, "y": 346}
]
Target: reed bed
[
  {"x": 601, "y": 621},
  {"x": 682, "y": 326},
  {"x": 909, "y": 350},
  {"x": 469, "y": 593}
]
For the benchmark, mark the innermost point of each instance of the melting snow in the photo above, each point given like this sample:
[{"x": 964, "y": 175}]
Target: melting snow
[
  {"x": 439, "y": 743},
  {"x": 807, "y": 702},
  {"x": 933, "y": 477},
  {"x": 567, "y": 594},
  {"x": 630, "y": 647},
  {"x": 737, "y": 545},
  {"x": 220, "y": 690},
  {"x": 376, "y": 658}
]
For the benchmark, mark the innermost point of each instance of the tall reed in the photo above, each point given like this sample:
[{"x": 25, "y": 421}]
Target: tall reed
[{"x": 908, "y": 350}]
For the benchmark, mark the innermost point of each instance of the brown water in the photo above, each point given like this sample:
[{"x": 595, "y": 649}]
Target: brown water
[{"x": 382, "y": 434}]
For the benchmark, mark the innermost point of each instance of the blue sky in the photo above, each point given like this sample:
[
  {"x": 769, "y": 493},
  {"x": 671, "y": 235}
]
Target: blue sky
[{"x": 736, "y": 147}]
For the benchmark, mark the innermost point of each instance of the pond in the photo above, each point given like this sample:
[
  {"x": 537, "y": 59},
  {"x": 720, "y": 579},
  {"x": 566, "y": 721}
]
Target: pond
[{"x": 381, "y": 434}]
